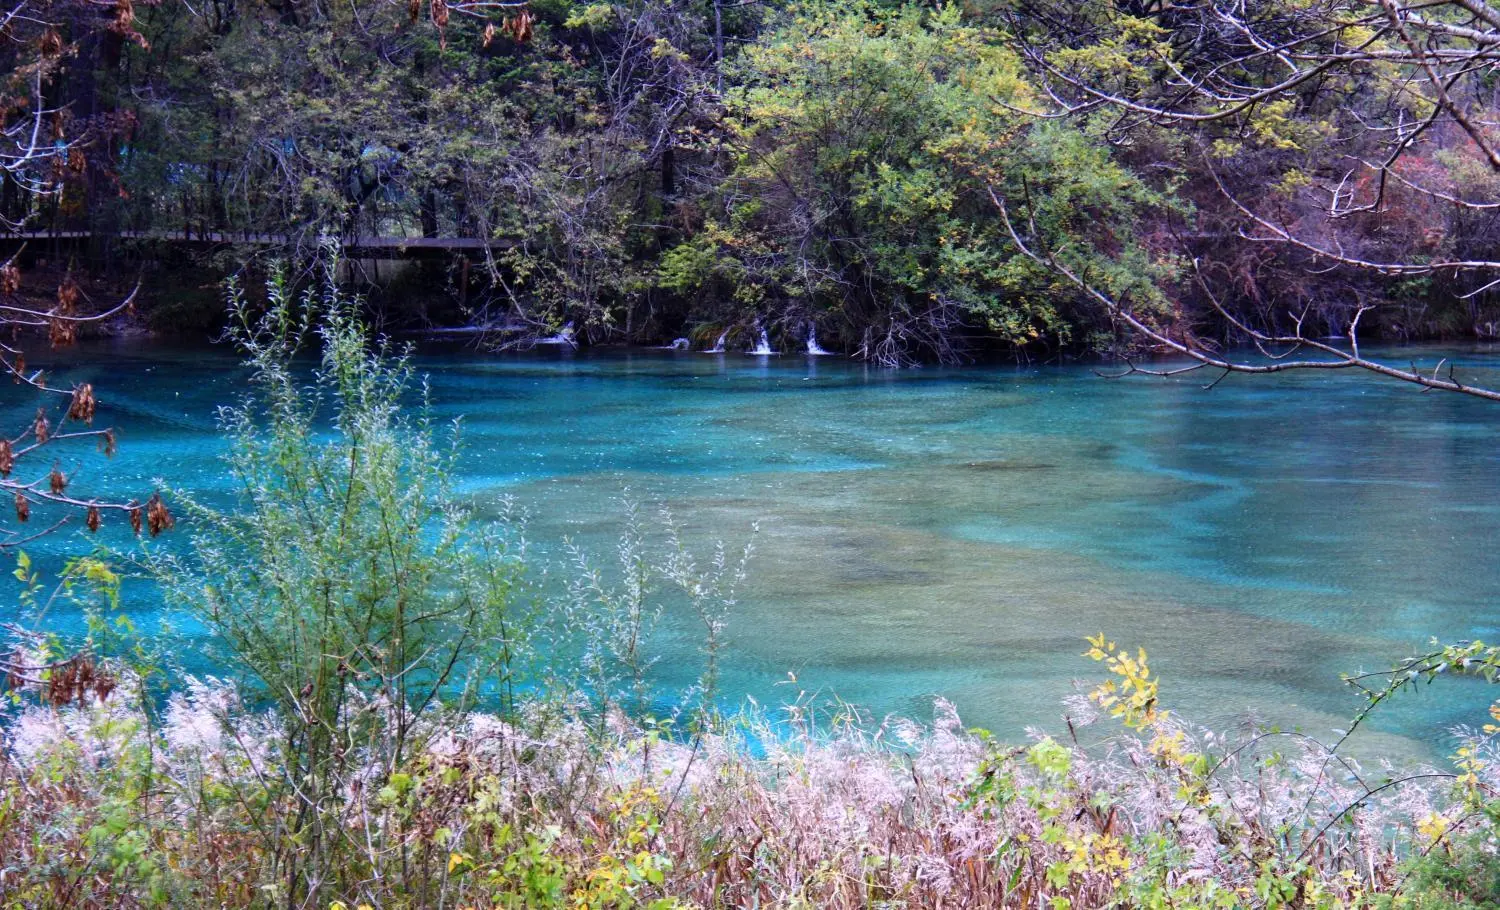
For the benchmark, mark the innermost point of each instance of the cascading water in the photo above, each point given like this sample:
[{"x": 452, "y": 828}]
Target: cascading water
[
  {"x": 563, "y": 337},
  {"x": 680, "y": 344},
  {"x": 762, "y": 345},
  {"x": 813, "y": 348},
  {"x": 718, "y": 347}
]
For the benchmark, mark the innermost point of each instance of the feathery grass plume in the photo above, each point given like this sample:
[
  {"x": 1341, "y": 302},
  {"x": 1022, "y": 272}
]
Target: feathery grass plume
[{"x": 535, "y": 810}]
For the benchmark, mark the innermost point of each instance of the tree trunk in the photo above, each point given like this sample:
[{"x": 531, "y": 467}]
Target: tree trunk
[{"x": 429, "y": 214}]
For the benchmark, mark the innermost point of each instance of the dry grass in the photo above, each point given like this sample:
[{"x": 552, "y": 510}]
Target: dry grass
[{"x": 101, "y": 808}]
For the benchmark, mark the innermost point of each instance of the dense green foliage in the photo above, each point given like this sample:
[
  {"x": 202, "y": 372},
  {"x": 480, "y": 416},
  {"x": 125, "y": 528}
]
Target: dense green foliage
[
  {"x": 653, "y": 169},
  {"x": 869, "y": 142}
]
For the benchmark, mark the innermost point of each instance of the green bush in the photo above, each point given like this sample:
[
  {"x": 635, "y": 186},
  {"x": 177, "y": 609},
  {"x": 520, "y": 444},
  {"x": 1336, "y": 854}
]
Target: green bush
[
  {"x": 350, "y": 585},
  {"x": 1462, "y": 875}
]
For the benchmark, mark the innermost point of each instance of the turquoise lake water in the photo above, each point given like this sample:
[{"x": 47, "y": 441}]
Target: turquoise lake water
[{"x": 957, "y": 532}]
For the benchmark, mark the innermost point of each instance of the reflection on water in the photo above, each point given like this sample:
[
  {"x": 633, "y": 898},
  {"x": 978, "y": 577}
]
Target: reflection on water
[{"x": 959, "y": 531}]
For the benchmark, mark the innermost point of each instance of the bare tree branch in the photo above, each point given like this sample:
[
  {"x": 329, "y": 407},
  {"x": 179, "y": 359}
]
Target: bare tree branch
[{"x": 1334, "y": 358}]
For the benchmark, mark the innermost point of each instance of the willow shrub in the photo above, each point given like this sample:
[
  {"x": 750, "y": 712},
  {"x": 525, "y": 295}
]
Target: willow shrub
[{"x": 348, "y": 582}]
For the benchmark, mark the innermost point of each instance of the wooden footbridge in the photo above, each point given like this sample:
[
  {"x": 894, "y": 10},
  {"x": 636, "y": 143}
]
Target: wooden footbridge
[{"x": 357, "y": 247}]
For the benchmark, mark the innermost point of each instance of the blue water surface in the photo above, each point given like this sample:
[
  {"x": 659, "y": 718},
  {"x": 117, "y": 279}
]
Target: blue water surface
[{"x": 957, "y": 532}]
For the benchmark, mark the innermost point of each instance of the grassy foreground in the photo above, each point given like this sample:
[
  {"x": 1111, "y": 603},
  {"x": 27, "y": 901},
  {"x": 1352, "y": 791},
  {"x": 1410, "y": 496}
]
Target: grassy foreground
[{"x": 100, "y": 806}]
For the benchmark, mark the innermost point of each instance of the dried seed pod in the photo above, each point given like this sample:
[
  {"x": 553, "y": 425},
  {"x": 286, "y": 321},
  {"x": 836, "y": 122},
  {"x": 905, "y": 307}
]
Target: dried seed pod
[
  {"x": 135, "y": 520},
  {"x": 88, "y": 674},
  {"x": 23, "y": 508},
  {"x": 10, "y": 278},
  {"x": 438, "y": 10},
  {"x": 7, "y": 458},
  {"x": 77, "y": 163},
  {"x": 51, "y": 44},
  {"x": 57, "y": 481},
  {"x": 76, "y": 679},
  {"x": 67, "y": 295},
  {"x": 83, "y": 404},
  {"x": 158, "y": 519},
  {"x": 14, "y": 681},
  {"x": 42, "y": 428},
  {"x": 124, "y": 24},
  {"x": 124, "y": 16},
  {"x": 60, "y": 684},
  {"x": 489, "y": 34},
  {"x": 18, "y": 369},
  {"x": 107, "y": 443},
  {"x": 91, "y": 518},
  {"x": 61, "y": 332}
]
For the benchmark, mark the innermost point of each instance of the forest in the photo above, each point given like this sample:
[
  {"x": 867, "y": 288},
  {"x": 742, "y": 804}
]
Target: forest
[
  {"x": 677, "y": 454},
  {"x": 643, "y": 172}
]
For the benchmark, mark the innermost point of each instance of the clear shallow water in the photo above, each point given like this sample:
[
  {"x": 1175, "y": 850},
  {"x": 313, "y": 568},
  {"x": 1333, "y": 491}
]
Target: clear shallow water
[{"x": 958, "y": 532}]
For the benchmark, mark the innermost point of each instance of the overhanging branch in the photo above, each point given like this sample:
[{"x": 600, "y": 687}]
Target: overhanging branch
[{"x": 1332, "y": 357}]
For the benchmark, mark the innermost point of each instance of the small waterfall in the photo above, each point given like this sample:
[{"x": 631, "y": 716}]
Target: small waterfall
[
  {"x": 762, "y": 345},
  {"x": 680, "y": 344},
  {"x": 813, "y": 348},
  {"x": 563, "y": 337},
  {"x": 718, "y": 347}
]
